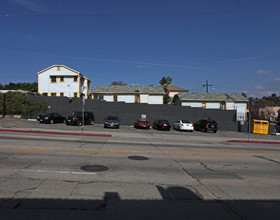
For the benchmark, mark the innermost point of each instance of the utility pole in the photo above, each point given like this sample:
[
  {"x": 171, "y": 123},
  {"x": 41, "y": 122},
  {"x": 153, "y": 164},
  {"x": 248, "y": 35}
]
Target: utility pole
[{"x": 206, "y": 85}]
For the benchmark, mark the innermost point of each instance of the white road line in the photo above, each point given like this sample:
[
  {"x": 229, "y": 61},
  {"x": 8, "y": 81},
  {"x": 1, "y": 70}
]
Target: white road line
[{"x": 60, "y": 172}]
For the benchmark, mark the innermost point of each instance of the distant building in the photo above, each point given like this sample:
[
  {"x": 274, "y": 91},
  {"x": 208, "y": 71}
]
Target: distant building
[
  {"x": 173, "y": 90},
  {"x": 270, "y": 113},
  {"x": 128, "y": 94},
  {"x": 60, "y": 80},
  {"x": 223, "y": 101}
]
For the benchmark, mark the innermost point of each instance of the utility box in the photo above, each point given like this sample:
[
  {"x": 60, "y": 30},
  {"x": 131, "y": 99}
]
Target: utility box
[{"x": 259, "y": 126}]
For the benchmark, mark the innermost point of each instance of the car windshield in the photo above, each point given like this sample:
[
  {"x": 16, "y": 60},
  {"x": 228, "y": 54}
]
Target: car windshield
[
  {"x": 76, "y": 113},
  {"x": 185, "y": 121},
  {"x": 112, "y": 118},
  {"x": 164, "y": 121}
]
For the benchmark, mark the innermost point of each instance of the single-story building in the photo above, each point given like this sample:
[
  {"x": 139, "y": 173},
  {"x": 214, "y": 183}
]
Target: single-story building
[
  {"x": 128, "y": 94},
  {"x": 223, "y": 101},
  {"x": 173, "y": 90}
]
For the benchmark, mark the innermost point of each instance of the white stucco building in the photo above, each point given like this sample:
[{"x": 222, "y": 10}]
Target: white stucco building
[
  {"x": 128, "y": 94},
  {"x": 60, "y": 80}
]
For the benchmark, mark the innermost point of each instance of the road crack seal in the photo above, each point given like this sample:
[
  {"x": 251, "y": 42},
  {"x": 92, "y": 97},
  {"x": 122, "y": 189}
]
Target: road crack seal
[
  {"x": 206, "y": 167},
  {"x": 264, "y": 158}
]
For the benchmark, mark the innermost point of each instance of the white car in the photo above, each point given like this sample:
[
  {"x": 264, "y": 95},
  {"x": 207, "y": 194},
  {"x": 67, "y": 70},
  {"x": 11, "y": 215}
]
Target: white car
[{"x": 183, "y": 125}]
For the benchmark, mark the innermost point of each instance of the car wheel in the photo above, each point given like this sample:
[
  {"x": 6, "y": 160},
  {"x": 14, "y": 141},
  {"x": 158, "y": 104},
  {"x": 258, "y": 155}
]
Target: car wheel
[
  {"x": 204, "y": 130},
  {"x": 91, "y": 122},
  {"x": 51, "y": 121},
  {"x": 79, "y": 123},
  {"x": 214, "y": 131},
  {"x": 64, "y": 121}
]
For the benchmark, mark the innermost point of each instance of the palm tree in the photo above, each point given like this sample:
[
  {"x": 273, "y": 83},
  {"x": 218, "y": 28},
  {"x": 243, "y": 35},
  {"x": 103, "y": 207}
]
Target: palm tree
[{"x": 165, "y": 81}]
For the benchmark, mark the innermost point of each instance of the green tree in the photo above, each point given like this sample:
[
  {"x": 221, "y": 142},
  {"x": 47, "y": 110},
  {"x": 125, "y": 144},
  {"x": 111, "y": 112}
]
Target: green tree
[
  {"x": 244, "y": 94},
  {"x": 165, "y": 81},
  {"x": 118, "y": 83},
  {"x": 31, "y": 87},
  {"x": 18, "y": 104}
]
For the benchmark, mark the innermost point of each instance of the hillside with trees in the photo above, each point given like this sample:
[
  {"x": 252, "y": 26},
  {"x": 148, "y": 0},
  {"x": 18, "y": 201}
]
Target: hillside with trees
[{"x": 31, "y": 87}]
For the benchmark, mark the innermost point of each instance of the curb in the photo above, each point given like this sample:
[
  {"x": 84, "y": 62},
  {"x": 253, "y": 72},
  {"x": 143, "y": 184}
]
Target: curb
[
  {"x": 254, "y": 142},
  {"x": 59, "y": 133}
]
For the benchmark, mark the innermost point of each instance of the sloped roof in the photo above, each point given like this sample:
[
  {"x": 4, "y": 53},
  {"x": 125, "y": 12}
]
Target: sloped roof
[
  {"x": 197, "y": 96},
  {"x": 56, "y": 65},
  {"x": 175, "y": 89},
  {"x": 127, "y": 89}
]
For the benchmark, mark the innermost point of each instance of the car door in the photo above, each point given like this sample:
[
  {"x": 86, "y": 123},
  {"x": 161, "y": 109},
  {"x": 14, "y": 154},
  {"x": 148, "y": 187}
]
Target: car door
[{"x": 177, "y": 125}]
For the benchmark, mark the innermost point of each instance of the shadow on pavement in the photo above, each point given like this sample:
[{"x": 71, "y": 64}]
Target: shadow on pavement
[{"x": 177, "y": 203}]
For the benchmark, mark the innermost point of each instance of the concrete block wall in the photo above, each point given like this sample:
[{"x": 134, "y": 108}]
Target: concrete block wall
[{"x": 128, "y": 113}]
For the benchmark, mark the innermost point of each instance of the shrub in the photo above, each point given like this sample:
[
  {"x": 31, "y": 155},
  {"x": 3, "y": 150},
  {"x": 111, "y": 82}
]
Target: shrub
[{"x": 18, "y": 104}]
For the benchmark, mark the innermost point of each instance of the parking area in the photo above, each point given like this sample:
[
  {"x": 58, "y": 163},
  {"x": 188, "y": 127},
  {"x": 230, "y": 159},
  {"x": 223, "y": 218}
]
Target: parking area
[{"x": 8, "y": 123}]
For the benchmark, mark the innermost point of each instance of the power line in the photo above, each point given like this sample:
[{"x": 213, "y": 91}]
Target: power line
[{"x": 141, "y": 14}]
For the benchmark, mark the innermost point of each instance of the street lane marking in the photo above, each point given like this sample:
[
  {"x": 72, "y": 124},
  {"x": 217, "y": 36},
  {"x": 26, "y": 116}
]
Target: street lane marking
[
  {"x": 60, "y": 172},
  {"x": 135, "y": 152}
]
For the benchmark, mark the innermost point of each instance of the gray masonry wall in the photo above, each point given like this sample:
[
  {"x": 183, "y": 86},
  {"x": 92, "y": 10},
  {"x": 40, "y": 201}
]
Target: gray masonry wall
[{"x": 129, "y": 113}]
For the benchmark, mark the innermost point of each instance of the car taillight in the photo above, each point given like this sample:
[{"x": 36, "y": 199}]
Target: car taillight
[
  {"x": 206, "y": 125},
  {"x": 169, "y": 124},
  {"x": 160, "y": 124},
  {"x": 192, "y": 125},
  {"x": 182, "y": 124},
  {"x": 217, "y": 126},
  {"x": 46, "y": 117},
  {"x": 75, "y": 118}
]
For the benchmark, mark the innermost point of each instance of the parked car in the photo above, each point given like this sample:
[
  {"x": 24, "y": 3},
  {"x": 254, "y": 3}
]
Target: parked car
[
  {"x": 206, "y": 125},
  {"x": 183, "y": 125},
  {"x": 40, "y": 117},
  {"x": 51, "y": 118},
  {"x": 77, "y": 119},
  {"x": 162, "y": 124},
  {"x": 142, "y": 123},
  {"x": 111, "y": 122}
]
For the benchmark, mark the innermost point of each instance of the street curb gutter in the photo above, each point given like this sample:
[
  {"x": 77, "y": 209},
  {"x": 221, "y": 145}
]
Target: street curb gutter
[
  {"x": 59, "y": 133},
  {"x": 254, "y": 142}
]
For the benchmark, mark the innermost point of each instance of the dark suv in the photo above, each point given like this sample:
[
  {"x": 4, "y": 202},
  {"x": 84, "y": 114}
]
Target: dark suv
[
  {"x": 206, "y": 125},
  {"x": 77, "y": 119}
]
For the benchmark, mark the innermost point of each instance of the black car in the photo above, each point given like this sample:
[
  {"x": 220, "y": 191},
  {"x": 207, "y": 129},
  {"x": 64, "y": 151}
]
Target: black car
[
  {"x": 206, "y": 125},
  {"x": 51, "y": 118},
  {"x": 162, "y": 125},
  {"x": 111, "y": 122},
  {"x": 77, "y": 119}
]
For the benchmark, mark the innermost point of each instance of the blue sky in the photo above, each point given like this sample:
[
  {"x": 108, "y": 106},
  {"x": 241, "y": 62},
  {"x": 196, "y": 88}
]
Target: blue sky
[{"x": 234, "y": 44}]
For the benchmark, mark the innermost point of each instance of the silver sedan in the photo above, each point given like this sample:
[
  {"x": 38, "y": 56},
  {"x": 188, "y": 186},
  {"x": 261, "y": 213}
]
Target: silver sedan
[{"x": 183, "y": 125}]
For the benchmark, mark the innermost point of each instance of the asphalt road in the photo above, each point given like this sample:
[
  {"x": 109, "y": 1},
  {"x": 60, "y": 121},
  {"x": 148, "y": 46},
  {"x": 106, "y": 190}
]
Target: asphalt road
[{"x": 173, "y": 175}]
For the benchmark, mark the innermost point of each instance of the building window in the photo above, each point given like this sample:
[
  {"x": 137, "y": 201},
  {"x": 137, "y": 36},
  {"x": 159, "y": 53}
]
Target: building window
[
  {"x": 75, "y": 94},
  {"x": 53, "y": 93},
  {"x": 53, "y": 79},
  {"x": 222, "y": 106},
  {"x": 75, "y": 78},
  {"x": 115, "y": 98},
  {"x": 95, "y": 97},
  {"x": 61, "y": 79},
  {"x": 61, "y": 94},
  {"x": 100, "y": 97},
  {"x": 45, "y": 94}
]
